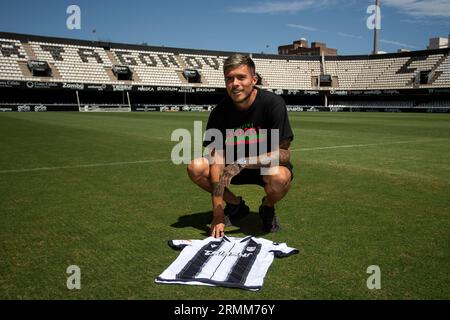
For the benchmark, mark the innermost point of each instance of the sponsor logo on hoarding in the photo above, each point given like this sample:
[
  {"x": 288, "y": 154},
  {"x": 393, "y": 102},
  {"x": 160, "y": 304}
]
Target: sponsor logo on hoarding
[
  {"x": 279, "y": 91},
  {"x": 147, "y": 108},
  {"x": 98, "y": 87},
  {"x": 45, "y": 85},
  {"x": 74, "y": 86},
  {"x": 186, "y": 90},
  {"x": 142, "y": 88},
  {"x": 9, "y": 84},
  {"x": 23, "y": 108},
  {"x": 205, "y": 90},
  {"x": 439, "y": 90},
  {"x": 40, "y": 108},
  {"x": 13, "y": 83},
  {"x": 391, "y": 92},
  {"x": 167, "y": 89},
  {"x": 122, "y": 87},
  {"x": 339, "y": 92},
  {"x": 373, "y": 92},
  {"x": 195, "y": 109},
  {"x": 294, "y": 108}
]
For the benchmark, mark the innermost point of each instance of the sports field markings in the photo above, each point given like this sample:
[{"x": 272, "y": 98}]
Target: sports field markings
[
  {"x": 92, "y": 165},
  {"x": 103, "y": 164},
  {"x": 370, "y": 144}
]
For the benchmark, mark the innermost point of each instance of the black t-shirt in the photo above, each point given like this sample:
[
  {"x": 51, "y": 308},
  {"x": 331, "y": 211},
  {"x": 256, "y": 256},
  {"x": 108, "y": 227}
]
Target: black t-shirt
[{"x": 268, "y": 111}]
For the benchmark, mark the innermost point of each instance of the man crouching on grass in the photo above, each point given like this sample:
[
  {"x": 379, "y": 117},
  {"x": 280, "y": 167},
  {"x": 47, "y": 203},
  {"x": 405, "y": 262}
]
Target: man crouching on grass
[{"x": 246, "y": 118}]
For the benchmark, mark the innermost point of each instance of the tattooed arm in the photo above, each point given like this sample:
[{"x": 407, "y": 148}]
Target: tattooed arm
[
  {"x": 216, "y": 170},
  {"x": 265, "y": 160},
  {"x": 221, "y": 176},
  {"x": 283, "y": 155}
]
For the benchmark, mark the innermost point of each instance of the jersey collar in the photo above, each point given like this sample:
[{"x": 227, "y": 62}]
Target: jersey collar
[
  {"x": 225, "y": 238},
  {"x": 246, "y": 238}
]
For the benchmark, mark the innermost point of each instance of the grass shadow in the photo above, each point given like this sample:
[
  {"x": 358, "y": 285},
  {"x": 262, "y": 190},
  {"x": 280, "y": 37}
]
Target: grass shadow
[{"x": 249, "y": 225}]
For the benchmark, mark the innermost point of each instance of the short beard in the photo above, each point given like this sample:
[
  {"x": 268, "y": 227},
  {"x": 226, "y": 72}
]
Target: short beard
[{"x": 245, "y": 98}]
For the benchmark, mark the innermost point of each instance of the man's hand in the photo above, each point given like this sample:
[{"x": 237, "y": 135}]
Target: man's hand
[
  {"x": 218, "y": 223},
  {"x": 228, "y": 173}
]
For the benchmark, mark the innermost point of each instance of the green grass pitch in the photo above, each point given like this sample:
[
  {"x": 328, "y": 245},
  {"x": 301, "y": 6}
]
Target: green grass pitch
[{"x": 99, "y": 191}]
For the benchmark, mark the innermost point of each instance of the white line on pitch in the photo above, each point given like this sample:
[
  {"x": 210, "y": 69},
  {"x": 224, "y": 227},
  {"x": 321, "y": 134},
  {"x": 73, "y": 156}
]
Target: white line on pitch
[
  {"x": 84, "y": 165},
  {"x": 369, "y": 144},
  {"x": 92, "y": 165}
]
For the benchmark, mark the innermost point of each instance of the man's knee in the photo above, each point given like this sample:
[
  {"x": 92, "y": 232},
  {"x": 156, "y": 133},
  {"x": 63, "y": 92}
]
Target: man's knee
[
  {"x": 279, "y": 180},
  {"x": 198, "y": 168}
]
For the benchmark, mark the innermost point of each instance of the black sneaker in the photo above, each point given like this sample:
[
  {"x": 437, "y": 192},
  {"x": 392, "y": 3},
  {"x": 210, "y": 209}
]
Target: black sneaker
[
  {"x": 269, "y": 218},
  {"x": 236, "y": 211}
]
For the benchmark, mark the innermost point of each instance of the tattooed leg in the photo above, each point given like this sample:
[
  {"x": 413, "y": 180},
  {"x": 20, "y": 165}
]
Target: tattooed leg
[{"x": 198, "y": 172}]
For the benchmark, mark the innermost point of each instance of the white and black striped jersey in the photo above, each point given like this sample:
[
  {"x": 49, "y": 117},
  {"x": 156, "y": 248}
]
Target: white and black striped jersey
[{"x": 227, "y": 261}]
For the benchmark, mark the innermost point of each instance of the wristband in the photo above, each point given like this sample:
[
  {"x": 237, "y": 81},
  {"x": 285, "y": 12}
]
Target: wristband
[{"x": 241, "y": 162}]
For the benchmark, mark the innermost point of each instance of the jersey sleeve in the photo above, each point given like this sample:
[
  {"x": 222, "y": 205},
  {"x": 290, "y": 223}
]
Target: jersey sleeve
[
  {"x": 181, "y": 244},
  {"x": 281, "y": 250}
]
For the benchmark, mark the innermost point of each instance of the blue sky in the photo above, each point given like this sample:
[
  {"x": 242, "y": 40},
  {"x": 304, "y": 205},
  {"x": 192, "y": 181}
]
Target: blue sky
[{"x": 231, "y": 25}]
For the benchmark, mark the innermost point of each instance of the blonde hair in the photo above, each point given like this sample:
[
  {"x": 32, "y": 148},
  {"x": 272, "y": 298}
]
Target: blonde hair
[{"x": 237, "y": 60}]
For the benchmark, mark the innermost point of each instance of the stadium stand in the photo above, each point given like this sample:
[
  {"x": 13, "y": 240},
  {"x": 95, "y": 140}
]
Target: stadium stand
[
  {"x": 153, "y": 68},
  {"x": 145, "y": 71},
  {"x": 442, "y": 72},
  {"x": 210, "y": 67},
  {"x": 75, "y": 63},
  {"x": 12, "y": 54},
  {"x": 287, "y": 73},
  {"x": 392, "y": 72}
]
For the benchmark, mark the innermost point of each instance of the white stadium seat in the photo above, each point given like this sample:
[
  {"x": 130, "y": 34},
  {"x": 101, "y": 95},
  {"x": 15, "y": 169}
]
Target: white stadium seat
[{"x": 89, "y": 62}]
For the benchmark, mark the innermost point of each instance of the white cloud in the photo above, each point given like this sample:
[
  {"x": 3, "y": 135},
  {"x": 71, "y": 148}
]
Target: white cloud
[
  {"x": 420, "y": 8},
  {"x": 299, "y": 26},
  {"x": 398, "y": 44},
  {"x": 426, "y": 21},
  {"x": 415, "y": 8},
  {"x": 281, "y": 7},
  {"x": 347, "y": 35}
]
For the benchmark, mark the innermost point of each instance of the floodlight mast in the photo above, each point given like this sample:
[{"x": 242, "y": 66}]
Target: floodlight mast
[{"x": 375, "y": 30}]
